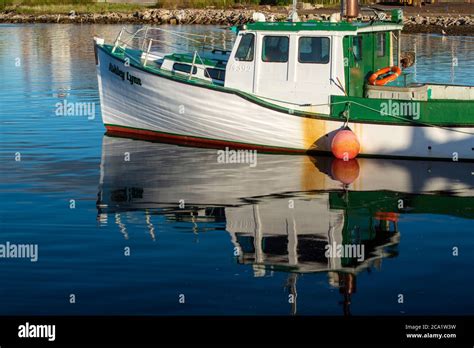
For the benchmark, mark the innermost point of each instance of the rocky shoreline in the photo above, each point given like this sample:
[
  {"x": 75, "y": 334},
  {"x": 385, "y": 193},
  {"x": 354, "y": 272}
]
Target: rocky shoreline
[{"x": 440, "y": 24}]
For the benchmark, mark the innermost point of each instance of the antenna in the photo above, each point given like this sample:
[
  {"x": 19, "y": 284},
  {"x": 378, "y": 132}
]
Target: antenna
[{"x": 294, "y": 14}]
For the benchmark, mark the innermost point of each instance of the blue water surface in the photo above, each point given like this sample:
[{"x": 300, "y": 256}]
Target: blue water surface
[{"x": 65, "y": 188}]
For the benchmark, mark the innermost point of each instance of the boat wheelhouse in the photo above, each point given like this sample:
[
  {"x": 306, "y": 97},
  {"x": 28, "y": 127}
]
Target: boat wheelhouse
[{"x": 285, "y": 87}]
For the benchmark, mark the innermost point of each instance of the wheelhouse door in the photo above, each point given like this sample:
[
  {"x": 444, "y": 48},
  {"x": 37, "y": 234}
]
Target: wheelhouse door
[
  {"x": 241, "y": 67},
  {"x": 313, "y": 70},
  {"x": 273, "y": 66}
]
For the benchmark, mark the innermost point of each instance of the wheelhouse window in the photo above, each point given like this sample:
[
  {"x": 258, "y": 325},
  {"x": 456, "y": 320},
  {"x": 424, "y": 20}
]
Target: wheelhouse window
[
  {"x": 357, "y": 48},
  {"x": 313, "y": 50},
  {"x": 275, "y": 49},
  {"x": 215, "y": 74},
  {"x": 246, "y": 48},
  {"x": 184, "y": 68},
  {"x": 381, "y": 44}
]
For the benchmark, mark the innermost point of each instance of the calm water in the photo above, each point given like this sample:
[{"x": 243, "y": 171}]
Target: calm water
[{"x": 245, "y": 238}]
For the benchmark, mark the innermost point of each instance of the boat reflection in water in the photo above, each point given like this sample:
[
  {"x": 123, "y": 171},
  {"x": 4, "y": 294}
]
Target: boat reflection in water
[{"x": 284, "y": 213}]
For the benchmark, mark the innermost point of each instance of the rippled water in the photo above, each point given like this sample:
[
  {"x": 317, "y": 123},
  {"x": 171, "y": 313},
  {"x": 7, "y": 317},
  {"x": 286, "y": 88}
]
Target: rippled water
[{"x": 245, "y": 238}]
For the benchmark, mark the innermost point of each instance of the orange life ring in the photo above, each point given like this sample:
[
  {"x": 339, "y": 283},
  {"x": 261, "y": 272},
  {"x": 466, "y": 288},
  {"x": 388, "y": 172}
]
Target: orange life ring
[{"x": 394, "y": 71}]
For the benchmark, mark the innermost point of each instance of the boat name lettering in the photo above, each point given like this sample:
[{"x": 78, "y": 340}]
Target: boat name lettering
[{"x": 124, "y": 75}]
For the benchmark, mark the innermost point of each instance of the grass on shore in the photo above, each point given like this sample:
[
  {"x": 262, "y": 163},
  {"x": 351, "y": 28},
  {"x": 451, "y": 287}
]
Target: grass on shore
[
  {"x": 32, "y": 7},
  {"x": 231, "y": 3},
  {"x": 65, "y": 9},
  {"x": 216, "y": 3}
]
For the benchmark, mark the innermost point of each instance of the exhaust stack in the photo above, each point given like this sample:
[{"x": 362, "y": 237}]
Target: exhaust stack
[{"x": 349, "y": 9}]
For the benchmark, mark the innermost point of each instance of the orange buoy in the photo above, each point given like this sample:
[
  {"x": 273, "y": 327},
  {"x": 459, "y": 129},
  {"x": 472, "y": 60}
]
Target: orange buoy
[
  {"x": 345, "y": 145},
  {"x": 345, "y": 171}
]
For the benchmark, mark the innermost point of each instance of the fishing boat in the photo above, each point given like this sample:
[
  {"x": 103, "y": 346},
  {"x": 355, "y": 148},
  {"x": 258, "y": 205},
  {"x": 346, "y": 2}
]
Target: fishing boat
[{"x": 298, "y": 87}]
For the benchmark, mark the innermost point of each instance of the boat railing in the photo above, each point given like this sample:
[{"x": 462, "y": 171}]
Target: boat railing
[
  {"x": 196, "y": 56},
  {"x": 147, "y": 41},
  {"x": 204, "y": 42}
]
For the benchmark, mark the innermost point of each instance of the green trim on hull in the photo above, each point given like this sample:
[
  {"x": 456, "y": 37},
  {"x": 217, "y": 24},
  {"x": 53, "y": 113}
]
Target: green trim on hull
[{"x": 432, "y": 112}]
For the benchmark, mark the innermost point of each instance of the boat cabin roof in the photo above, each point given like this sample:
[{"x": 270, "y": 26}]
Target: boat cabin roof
[{"x": 354, "y": 27}]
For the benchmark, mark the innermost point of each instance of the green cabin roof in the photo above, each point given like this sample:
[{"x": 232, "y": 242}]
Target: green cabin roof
[{"x": 317, "y": 25}]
